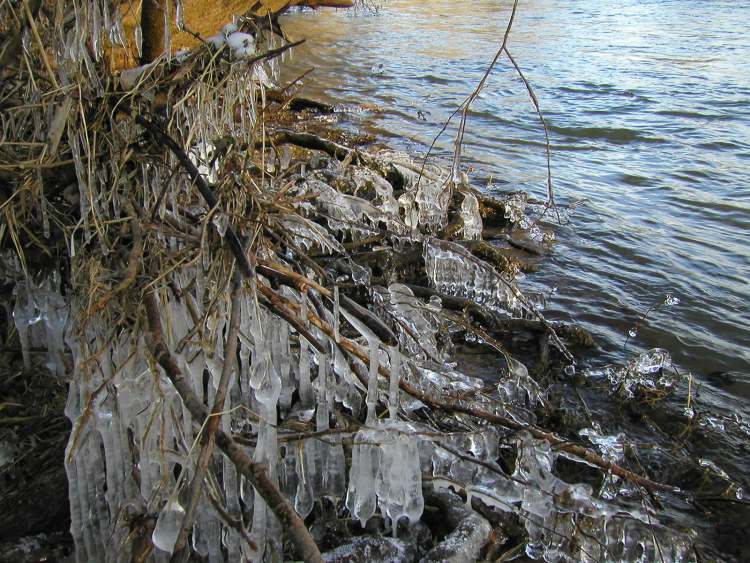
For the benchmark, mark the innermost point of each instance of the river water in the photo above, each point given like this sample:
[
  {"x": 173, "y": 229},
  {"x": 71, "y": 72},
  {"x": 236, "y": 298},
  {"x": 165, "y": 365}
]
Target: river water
[{"x": 648, "y": 106}]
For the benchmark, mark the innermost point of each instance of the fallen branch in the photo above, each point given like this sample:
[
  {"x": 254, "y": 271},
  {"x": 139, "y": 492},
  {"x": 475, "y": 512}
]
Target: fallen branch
[{"x": 314, "y": 142}]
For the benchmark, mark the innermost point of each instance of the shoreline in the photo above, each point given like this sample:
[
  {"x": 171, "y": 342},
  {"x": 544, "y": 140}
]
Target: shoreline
[{"x": 364, "y": 264}]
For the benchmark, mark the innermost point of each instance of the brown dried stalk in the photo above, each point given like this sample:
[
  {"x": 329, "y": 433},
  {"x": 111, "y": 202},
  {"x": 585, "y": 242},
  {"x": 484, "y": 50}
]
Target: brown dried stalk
[
  {"x": 208, "y": 437},
  {"x": 253, "y": 472}
]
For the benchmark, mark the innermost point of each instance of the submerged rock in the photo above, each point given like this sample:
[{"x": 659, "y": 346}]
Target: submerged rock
[
  {"x": 469, "y": 535},
  {"x": 374, "y": 549}
]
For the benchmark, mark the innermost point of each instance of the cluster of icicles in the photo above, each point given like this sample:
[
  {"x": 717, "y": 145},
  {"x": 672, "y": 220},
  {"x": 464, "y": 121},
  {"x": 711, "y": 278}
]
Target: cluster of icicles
[
  {"x": 138, "y": 419},
  {"x": 133, "y": 446}
]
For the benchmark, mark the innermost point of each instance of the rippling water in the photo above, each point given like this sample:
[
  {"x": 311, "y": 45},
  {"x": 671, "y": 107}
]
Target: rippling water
[{"x": 648, "y": 105}]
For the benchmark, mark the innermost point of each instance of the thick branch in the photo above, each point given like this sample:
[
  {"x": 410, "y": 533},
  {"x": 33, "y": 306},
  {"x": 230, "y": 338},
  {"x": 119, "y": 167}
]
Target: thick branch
[
  {"x": 152, "y": 25},
  {"x": 314, "y": 142}
]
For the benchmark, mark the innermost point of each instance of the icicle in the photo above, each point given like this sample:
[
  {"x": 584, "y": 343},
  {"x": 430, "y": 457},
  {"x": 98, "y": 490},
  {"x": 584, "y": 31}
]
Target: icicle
[
  {"x": 361, "y": 498},
  {"x": 323, "y": 407},
  {"x": 231, "y": 538},
  {"x": 399, "y": 301},
  {"x": 266, "y": 453},
  {"x": 167, "y": 29},
  {"x": 399, "y": 485},
  {"x": 96, "y": 29},
  {"x": 282, "y": 358},
  {"x": 336, "y": 313},
  {"x": 374, "y": 363},
  {"x": 453, "y": 270},
  {"x": 23, "y": 316},
  {"x": 304, "y": 499},
  {"x": 305, "y": 389},
  {"x": 45, "y": 216},
  {"x": 179, "y": 15},
  {"x": 265, "y": 379},
  {"x": 138, "y": 38},
  {"x": 168, "y": 525},
  {"x": 393, "y": 384},
  {"x": 372, "y": 381}
]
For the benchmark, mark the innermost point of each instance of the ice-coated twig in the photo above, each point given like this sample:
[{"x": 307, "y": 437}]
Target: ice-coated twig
[
  {"x": 254, "y": 473},
  {"x": 209, "y": 431}
]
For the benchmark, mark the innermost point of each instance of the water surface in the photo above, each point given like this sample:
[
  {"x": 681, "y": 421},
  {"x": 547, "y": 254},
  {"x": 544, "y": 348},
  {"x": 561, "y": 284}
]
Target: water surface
[{"x": 648, "y": 104}]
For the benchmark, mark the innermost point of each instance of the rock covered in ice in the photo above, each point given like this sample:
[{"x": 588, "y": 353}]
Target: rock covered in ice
[
  {"x": 469, "y": 533},
  {"x": 453, "y": 270},
  {"x": 373, "y": 549},
  {"x": 515, "y": 212}
]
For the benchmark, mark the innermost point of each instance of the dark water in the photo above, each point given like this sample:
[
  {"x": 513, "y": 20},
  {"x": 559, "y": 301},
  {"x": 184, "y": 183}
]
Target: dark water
[{"x": 648, "y": 105}]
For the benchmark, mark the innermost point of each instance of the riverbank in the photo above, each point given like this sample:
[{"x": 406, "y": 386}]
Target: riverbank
[
  {"x": 449, "y": 326},
  {"x": 373, "y": 366}
]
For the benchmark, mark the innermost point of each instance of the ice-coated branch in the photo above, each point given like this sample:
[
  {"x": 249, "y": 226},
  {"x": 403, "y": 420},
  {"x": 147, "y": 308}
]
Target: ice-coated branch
[
  {"x": 301, "y": 283},
  {"x": 311, "y": 141},
  {"x": 208, "y": 437},
  {"x": 232, "y": 238},
  {"x": 254, "y": 473},
  {"x": 457, "y": 405}
]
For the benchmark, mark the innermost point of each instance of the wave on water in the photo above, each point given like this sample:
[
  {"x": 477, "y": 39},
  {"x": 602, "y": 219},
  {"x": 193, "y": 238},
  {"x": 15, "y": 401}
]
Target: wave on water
[{"x": 610, "y": 134}]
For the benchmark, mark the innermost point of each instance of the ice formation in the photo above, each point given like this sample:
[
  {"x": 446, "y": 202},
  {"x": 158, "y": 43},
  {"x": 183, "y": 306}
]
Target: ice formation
[
  {"x": 647, "y": 372},
  {"x": 563, "y": 521},
  {"x": 240, "y": 44},
  {"x": 416, "y": 318},
  {"x": 453, "y": 270},
  {"x": 515, "y": 211},
  {"x": 133, "y": 447},
  {"x": 40, "y": 315},
  {"x": 385, "y": 473}
]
